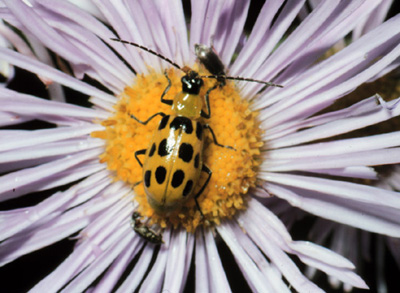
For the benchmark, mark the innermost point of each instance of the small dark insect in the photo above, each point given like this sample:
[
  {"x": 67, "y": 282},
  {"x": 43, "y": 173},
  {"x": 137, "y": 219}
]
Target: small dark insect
[
  {"x": 144, "y": 231},
  {"x": 211, "y": 61}
]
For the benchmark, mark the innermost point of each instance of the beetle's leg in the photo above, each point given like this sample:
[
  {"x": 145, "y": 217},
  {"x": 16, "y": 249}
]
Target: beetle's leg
[
  {"x": 209, "y": 172},
  {"x": 137, "y": 153},
  {"x": 136, "y": 183},
  {"x": 215, "y": 139},
  {"x": 168, "y": 102},
  {"x": 204, "y": 114},
  {"x": 148, "y": 120}
]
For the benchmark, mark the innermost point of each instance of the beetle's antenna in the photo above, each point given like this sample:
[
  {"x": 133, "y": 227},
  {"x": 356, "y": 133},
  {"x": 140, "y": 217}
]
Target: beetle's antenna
[
  {"x": 242, "y": 79},
  {"x": 148, "y": 50}
]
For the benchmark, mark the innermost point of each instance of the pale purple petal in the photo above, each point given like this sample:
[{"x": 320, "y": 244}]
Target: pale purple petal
[
  {"x": 119, "y": 266},
  {"x": 350, "y": 172},
  {"x": 36, "y": 137},
  {"x": 101, "y": 263},
  {"x": 154, "y": 280},
  {"x": 29, "y": 180},
  {"x": 132, "y": 25},
  {"x": 352, "y": 191},
  {"x": 233, "y": 16},
  {"x": 374, "y": 19},
  {"x": 263, "y": 39},
  {"x": 337, "y": 147},
  {"x": 175, "y": 267},
  {"x": 348, "y": 277},
  {"x": 311, "y": 39},
  {"x": 90, "y": 23},
  {"x": 209, "y": 23},
  {"x": 201, "y": 31},
  {"x": 269, "y": 270},
  {"x": 278, "y": 257},
  {"x": 7, "y": 119},
  {"x": 366, "y": 158},
  {"x": 19, "y": 220},
  {"x": 174, "y": 27},
  {"x": 324, "y": 98},
  {"x": 14, "y": 102},
  {"x": 340, "y": 126},
  {"x": 320, "y": 257},
  {"x": 27, "y": 16},
  {"x": 99, "y": 180},
  {"x": 100, "y": 236},
  {"x": 355, "y": 60},
  {"x": 218, "y": 280},
  {"x": 55, "y": 90},
  {"x": 251, "y": 272},
  {"x": 86, "y": 5},
  {"x": 345, "y": 212},
  {"x": 136, "y": 275},
  {"x": 56, "y": 226},
  {"x": 53, "y": 74},
  {"x": 202, "y": 266},
  {"x": 333, "y": 29},
  {"x": 130, "y": 31},
  {"x": 295, "y": 40},
  {"x": 64, "y": 177},
  {"x": 157, "y": 27},
  {"x": 365, "y": 107}
]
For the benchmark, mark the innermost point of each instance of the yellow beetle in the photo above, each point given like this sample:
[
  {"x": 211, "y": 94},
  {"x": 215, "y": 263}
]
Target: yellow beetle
[{"x": 174, "y": 159}]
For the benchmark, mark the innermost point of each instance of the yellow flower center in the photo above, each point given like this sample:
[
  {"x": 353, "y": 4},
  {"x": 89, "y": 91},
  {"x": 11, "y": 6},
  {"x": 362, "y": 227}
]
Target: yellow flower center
[{"x": 233, "y": 171}]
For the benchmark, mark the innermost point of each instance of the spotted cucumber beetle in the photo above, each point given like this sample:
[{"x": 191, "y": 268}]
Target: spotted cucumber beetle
[
  {"x": 174, "y": 159},
  {"x": 211, "y": 61}
]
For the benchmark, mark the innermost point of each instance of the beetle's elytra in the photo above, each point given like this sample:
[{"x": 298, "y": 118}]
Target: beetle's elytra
[{"x": 174, "y": 159}]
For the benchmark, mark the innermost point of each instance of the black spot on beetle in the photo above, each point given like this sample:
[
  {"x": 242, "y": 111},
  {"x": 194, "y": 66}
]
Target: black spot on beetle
[
  {"x": 188, "y": 188},
  {"x": 160, "y": 174},
  {"x": 152, "y": 150},
  {"x": 147, "y": 177},
  {"x": 186, "y": 152},
  {"x": 197, "y": 161},
  {"x": 163, "y": 122},
  {"x": 182, "y": 122},
  {"x": 163, "y": 148},
  {"x": 177, "y": 178},
  {"x": 199, "y": 131}
]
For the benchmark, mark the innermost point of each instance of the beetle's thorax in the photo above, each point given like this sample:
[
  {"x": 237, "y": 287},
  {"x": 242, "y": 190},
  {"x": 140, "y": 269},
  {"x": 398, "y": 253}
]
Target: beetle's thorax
[{"x": 187, "y": 105}]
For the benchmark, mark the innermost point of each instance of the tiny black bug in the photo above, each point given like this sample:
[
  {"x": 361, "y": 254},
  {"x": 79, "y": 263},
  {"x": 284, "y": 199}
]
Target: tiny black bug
[
  {"x": 145, "y": 231},
  {"x": 214, "y": 65}
]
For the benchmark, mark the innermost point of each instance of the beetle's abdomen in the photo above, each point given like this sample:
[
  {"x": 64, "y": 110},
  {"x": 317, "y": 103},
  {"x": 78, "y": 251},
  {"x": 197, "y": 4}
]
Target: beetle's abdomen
[{"x": 173, "y": 162}]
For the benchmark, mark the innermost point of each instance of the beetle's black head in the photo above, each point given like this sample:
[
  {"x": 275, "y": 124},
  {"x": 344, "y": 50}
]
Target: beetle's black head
[{"x": 192, "y": 83}]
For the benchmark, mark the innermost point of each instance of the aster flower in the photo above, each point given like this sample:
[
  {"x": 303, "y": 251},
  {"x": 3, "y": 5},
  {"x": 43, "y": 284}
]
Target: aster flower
[{"x": 87, "y": 157}]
